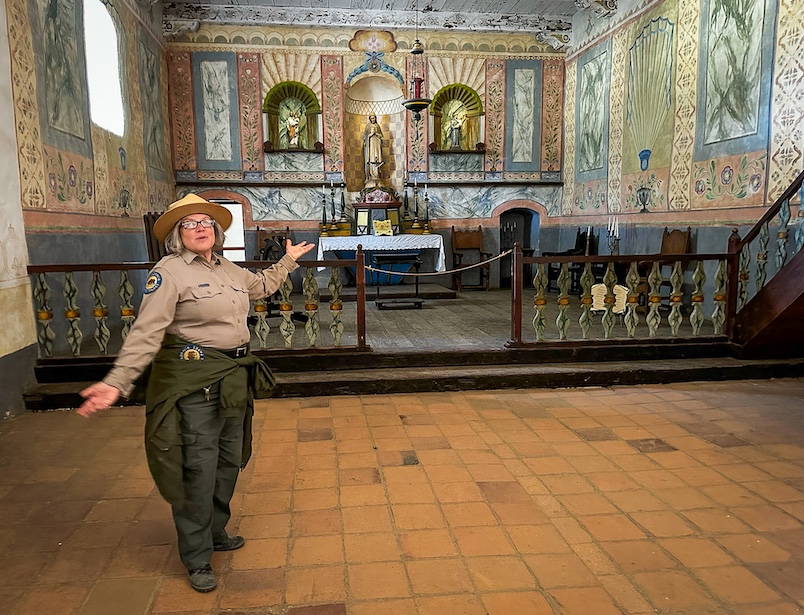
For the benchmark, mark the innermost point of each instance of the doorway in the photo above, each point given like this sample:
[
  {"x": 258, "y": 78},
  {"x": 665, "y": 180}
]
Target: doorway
[{"x": 517, "y": 226}]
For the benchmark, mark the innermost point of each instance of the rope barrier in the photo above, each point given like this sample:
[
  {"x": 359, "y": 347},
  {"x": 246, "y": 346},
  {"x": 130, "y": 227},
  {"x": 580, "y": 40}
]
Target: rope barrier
[{"x": 449, "y": 271}]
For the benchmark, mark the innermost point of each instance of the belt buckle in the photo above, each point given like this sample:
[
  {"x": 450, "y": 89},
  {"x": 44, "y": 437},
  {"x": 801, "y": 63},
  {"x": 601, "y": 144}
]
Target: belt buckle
[{"x": 242, "y": 351}]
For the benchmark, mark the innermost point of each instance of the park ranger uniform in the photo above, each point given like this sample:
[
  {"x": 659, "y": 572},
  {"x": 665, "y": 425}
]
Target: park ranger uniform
[{"x": 192, "y": 326}]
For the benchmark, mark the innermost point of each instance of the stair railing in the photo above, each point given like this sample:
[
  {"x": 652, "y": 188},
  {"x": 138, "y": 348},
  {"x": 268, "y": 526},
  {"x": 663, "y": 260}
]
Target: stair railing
[{"x": 746, "y": 285}]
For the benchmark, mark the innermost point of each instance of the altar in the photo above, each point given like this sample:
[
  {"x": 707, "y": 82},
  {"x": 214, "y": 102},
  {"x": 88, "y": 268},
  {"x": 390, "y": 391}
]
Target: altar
[{"x": 379, "y": 243}]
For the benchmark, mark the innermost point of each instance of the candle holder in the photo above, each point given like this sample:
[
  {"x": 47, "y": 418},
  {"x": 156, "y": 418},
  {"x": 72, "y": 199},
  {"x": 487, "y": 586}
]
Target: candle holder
[
  {"x": 426, "y": 230},
  {"x": 416, "y": 224},
  {"x": 324, "y": 232},
  {"x": 343, "y": 203}
]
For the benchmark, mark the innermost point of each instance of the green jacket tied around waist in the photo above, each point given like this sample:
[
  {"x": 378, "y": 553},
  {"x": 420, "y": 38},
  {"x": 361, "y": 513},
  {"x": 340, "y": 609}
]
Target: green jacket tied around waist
[{"x": 172, "y": 378}]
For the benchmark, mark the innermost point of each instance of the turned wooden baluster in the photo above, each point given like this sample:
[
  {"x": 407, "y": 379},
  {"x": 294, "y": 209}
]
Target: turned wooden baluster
[
  {"x": 744, "y": 274},
  {"x": 653, "y": 318},
  {"x": 127, "y": 313},
  {"x": 99, "y": 311},
  {"x": 697, "y": 315},
  {"x": 310, "y": 288},
  {"x": 44, "y": 316},
  {"x": 72, "y": 314},
  {"x": 539, "y": 302},
  {"x": 261, "y": 327},
  {"x": 781, "y": 236},
  {"x": 608, "y": 320},
  {"x": 562, "y": 320},
  {"x": 676, "y": 296},
  {"x": 335, "y": 306},
  {"x": 631, "y": 318},
  {"x": 287, "y": 328},
  {"x": 719, "y": 313},
  {"x": 585, "y": 320},
  {"x": 762, "y": 255}
]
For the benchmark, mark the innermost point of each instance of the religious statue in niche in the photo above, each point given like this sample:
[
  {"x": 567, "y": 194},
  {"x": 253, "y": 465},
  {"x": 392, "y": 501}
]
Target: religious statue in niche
[
  {"x": 292, "y": 124},
  {"x": 454, "y": 120},
  {"x": 372, "y": 151}
]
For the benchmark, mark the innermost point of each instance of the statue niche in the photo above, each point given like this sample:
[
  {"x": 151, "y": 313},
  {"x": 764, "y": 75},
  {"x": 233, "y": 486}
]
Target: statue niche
[
  {"x": 456, "y": 111},
  {"x": 290, "y": 112}
]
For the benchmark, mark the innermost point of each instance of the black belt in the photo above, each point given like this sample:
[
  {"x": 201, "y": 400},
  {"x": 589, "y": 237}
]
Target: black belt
[{"x": 236, "y": 353}]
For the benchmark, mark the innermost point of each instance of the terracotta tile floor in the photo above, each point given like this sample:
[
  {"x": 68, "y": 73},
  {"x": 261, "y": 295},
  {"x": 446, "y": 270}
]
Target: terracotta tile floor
[{"x": 686, "y": 498}]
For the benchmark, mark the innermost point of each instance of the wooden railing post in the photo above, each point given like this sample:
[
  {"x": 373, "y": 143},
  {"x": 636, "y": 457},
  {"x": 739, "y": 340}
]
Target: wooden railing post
[
  {"x": 517, "y": 281},
  {"x": 360, "y": 281},
  {"x": 732, "y": 280}
]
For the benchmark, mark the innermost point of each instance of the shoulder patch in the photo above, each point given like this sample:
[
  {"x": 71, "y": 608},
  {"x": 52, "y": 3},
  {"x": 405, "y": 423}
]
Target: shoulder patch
[
  {"x": 153, "y": 282},
  {"x": 191, "y": 353}
]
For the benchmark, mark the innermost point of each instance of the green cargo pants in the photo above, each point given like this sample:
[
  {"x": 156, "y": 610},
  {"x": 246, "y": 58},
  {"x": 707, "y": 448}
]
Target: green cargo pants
[{"x": 211, "y": 450}]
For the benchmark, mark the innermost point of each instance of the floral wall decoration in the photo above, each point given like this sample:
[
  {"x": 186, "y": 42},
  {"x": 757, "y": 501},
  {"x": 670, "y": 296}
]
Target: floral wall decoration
[{"x": 741, "y": 178}]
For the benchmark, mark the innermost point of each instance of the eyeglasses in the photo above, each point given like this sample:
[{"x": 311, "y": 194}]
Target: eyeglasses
[{"x": 191, "y": 224}]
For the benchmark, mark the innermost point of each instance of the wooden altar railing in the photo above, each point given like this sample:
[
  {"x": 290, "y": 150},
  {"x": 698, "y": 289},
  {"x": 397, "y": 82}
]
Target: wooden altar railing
[{"x": 93, "y": 275}]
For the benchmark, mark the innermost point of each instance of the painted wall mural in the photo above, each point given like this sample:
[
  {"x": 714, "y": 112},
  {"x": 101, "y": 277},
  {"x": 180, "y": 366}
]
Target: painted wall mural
[
  {"x": 523, "y": 116},
  {"x": 153, "y": 126},
  {"x": 552, "y": 111},
  {"x": 592, "y": 105},
  {"x": 649, "y": 95},
  {"x": 734, "y": 61},
  {"x": 217, "y": 111},
  {"x": 63, "y": 91},
  {"x": 677, "y": 81}
]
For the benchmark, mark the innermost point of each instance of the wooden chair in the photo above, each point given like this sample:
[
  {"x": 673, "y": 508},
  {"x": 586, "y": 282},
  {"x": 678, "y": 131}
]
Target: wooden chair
[
  {"x": 156, "y": 248},
  {"x": 467, "y": 249},
  {"x": 584, "y": 246},
  {"x": 271, "y": 247},
  {"x": 673, "y": 242}
]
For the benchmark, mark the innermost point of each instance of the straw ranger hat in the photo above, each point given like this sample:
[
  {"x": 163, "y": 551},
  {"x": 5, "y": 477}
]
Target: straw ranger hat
[{"x": 190, "y": 204}]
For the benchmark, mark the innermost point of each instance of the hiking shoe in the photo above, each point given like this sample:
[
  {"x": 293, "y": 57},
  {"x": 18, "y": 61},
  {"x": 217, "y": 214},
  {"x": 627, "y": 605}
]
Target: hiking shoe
[
  {"x": 203, "y": 579},
  {"x": 230, "y": 543}
]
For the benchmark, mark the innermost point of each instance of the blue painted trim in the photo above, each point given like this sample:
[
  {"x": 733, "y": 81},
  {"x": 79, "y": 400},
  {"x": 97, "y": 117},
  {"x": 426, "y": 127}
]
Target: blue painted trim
[
  {"x": 536, "y": 146},
  {"x": 749, "y": 143},
  {"x": 584, "y": 176},
  {"x": 204, "y": 164}
]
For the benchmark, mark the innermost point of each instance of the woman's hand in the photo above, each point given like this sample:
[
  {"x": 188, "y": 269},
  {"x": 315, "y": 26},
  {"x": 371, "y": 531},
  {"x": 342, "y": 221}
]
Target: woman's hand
[
  {"x": 298, "y": 250},
  {"x": 99, "y": 396}
]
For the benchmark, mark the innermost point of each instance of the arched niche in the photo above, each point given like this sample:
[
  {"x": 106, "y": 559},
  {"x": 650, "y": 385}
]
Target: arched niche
[
  {"x": 456, "y": 111},
  {"x": 291, "y": 112}
]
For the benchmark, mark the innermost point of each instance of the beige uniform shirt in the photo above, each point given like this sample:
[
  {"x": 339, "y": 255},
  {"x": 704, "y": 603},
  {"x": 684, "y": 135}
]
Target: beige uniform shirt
[{"x": 206, "y": 303}]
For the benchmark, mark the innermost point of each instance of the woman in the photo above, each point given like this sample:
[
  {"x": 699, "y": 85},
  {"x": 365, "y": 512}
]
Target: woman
[{"x": 192, "y": 332}]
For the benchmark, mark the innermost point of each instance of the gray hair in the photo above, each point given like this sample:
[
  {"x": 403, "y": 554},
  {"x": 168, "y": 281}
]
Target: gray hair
[{"x": 174, "y": 244}]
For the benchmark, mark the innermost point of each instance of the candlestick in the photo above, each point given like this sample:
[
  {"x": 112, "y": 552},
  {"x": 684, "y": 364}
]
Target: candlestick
[
  {"x": 617, "y": 227},
  {"x": 343, "y": 205}
]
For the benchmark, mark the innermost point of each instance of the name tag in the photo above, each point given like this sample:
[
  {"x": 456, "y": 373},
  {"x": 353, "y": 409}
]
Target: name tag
[{"x": 202, "y": 285}]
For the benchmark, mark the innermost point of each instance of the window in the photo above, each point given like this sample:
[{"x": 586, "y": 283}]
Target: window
[{"x": 103, "y": 68}]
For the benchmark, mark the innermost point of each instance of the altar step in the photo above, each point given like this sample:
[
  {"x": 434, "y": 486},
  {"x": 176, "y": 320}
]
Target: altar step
[{"x": 352, "y": 372}]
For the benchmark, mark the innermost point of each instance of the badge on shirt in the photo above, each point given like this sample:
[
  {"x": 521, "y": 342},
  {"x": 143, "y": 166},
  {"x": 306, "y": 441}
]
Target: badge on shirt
[
  {"x": 153, "y": 282},
  {"x": 191, "y": 353}
]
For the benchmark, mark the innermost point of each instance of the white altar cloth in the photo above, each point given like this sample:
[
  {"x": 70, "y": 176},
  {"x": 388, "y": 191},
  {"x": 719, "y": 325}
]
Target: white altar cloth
[{"x": 372, "y": 243}]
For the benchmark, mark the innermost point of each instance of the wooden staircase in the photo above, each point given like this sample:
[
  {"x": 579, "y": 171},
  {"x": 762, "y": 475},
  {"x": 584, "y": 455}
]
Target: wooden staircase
[{"x": 771, "y": 324}]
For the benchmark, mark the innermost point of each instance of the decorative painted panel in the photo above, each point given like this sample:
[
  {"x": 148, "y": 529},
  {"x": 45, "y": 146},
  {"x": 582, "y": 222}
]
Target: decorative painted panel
[
  {"x": 153, "y": 127},
  {"x": 216, "y": 110},
  {"x": 180, "y": 97},
  {"x": 417, "y": 130},
  {"x": 495, "y": 118},
  {"x": 734, "y": 77},
  {"x": 523, "y": 107},
  {"x": 57, "y": 27},
  {"x": 332, "y": 109},
  {"x": 26, "y": 110},
  {"x": 619, "y": 42},
  {"x": 248, "y": 77},
  {"x": 569, "y": 141},
  {"x": 649, "y": 89},
  {"x": 592, "y": 120},
  {"x": 552, "y": 108},
  {"x": 680, "y": 179},
  {"x": 787, "y": 111}
]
